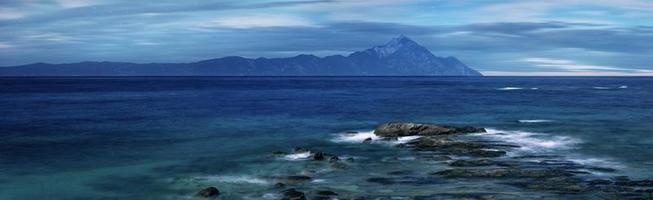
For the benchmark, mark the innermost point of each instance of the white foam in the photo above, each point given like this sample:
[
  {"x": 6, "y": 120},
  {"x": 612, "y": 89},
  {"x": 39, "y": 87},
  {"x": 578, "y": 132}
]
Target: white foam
[
  {"x": 602, "y": 88},
  {"x": 298, "y": 156},
  {"x": 510, "y": 88},
  {"x": 529, "y": 141},
  {"x": 623, "y": 87},
  {"x": 534, "y": 120},
  {"x": 235, "y": 179},
  {"x": 355, "y": 137},
  {"x": 359, "y": 137},
  {"x": 535, "y": 88}
]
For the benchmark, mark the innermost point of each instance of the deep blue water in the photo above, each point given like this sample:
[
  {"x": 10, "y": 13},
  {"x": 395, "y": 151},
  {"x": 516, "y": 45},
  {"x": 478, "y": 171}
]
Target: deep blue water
[{"x": 165, "y": 137}]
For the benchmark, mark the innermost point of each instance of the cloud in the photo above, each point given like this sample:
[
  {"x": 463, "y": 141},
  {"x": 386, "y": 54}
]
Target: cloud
[
  {"x": 9, "y": 14},
  {"x": 76, "y": 3},
  {"x": 574, "y": 66},
  {"x": 258, "y": 21}
]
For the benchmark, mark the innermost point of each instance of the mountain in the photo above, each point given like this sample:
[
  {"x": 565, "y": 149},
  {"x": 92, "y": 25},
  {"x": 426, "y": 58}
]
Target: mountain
[{"x": 401, "y": 56}]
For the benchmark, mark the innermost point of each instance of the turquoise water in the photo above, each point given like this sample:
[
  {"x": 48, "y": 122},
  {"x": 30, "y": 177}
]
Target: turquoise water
[{"x": 168, "y": 137}]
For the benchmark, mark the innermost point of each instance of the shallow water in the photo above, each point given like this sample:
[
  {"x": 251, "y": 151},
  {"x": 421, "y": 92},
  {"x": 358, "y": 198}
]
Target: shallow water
[{"x": 166, "y": 138}]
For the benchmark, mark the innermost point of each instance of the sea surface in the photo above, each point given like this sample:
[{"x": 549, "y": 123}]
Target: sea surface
[{"x": 169, "y": 137}]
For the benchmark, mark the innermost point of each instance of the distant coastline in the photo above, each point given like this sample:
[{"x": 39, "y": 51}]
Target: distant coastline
[{"x": 401, "y": 56}]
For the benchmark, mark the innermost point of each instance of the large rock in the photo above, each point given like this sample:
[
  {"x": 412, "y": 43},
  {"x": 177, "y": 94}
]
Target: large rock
[
  {"x": 208, "y": 192},
  {"x": 293, "y": 194},
  {"x": 411, "y": 129}
]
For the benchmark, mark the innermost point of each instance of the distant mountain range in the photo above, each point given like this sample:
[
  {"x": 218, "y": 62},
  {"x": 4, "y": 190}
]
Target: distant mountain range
[{"x": 401, "y": 56}]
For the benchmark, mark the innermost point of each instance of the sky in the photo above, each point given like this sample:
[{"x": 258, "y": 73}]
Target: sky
[{"x": 501, "y": 37}]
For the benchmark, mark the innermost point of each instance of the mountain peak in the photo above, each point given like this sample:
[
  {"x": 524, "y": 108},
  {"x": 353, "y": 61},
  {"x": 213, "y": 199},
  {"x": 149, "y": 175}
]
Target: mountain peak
[{"x": 394, "y": 45}]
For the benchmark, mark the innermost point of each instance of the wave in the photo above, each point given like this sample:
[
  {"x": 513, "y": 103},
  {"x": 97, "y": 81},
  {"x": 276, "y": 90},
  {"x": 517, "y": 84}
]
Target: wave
[
  {"x": 623, "y": 87},
  {"x": 298, "y": 156},
  {"x": 517, "y": 88},
  {"x": 360, "y": 137},
  {"x": 529, "y": 141},
  {"x": 356, "y": 137},
  {"x": 609, "y": 88},
  {"x": 510, "y": 88},
  {"x": 534, "y": 120},
  {"x": 235, "y": 179}
]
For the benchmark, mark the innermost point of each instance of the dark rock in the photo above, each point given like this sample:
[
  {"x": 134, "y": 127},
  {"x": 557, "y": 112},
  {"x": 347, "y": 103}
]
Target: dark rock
[
  {"x": 334, "y": 159},
  {"x": 435, "y": 158},
  {"x": 293, "y": 194},
  {"x": 279, "y": 185},
  {"x": 487, "y": 153},
  {"x": 560, "y": 184},
  {"x": 401, "y": 172},
  {"x": 472, "y": 163},
  {"x": 279, "y": 153},
  {"x": 351, "y": 132},
  {"x": 326, "y": 193},
  {"x": 318, "y": 156},
  {"x": 502, "y": 173},
  {"x": 300, "y": 150},
  {"x": 208, "y": 192},
  {"x": 350, "y": 159},
  {"x": 297, "y": 179},
  {"x": 599, "y": 182},
  {"x": 640, "y": 183},
  {"x": 367, "y": 140},
  {"x": 410, "y": 129}
]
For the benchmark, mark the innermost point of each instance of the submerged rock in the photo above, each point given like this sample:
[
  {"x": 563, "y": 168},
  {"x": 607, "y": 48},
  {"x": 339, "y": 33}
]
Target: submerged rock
[
  {"x": 324, "y": 194},
  {"x": 208, "y": 192},
  {"x": 318, "y": 156},
  {"x": 293, "y": 194},
  {"x": 367, "y": 140},
  {"x": 279, "y": 185},
  {"x": 411, "y": 129},
  {"x": 502, "y": 173},
  {"x": 472, "y": 163}
]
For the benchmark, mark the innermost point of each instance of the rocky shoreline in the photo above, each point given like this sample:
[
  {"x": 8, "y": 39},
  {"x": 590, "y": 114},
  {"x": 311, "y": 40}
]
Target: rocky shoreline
[{"x": 466, "y": 160}]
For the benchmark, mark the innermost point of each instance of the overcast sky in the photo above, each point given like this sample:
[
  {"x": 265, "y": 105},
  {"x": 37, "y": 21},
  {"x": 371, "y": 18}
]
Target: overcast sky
[{"x": 503, "y": 37}]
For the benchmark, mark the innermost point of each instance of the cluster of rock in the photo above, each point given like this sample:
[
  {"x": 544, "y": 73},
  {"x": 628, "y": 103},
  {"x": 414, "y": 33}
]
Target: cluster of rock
[
  {"x": 488, "y": 160},
  {"x": 468, "y": 160}
]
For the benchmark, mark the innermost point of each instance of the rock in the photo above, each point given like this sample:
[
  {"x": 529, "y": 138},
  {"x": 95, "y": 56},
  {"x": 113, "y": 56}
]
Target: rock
[
  {"x": 300, "y": 150},
  {"x": 334, "y": 159},
  {"x": 208, "y": 192},
  {"x": 350, "y": 159},
  {"x": 318, "y": 156},
  {"x": 472, "y": 163},
  {"x": 561, "y": 184},
  {"x": 279, "y": 153},
  {"x": 279, "y": 185},
  {"x": 411, "y": 129},
  {"x": 599, "y": 182},
  {"x": 325, "y": 194},
  {"x": 501, "y": 173},
  {"x": 435, "y": 158},
  {"x": 293, "y": 194},
  {"x": 297, "y": 179},
  {"x": 367, "y": 140},
  {"x": 640, "y": 183},
  {"x": 487, "y": 153}
]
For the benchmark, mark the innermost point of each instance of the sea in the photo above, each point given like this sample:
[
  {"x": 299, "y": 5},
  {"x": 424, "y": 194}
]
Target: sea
[{"x": 169, "y": 137}]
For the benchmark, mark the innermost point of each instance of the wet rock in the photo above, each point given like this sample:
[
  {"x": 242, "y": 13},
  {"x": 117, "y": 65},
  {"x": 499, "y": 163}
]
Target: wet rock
[
  {"x": 293, "y": 194},
  {"x": 367, "y": 140},
  {"x": 599, "y": 182},
  {"x": 334, "y": 159},
  {"x": 560, "y": 184},
  {"x": 501, "y": 173},
  {"x": 318, "y": 156},
  {"x": 410, "y": 129},
  {"x": 300, "y": 150},
  {"x": 350, "y": 159},
  {"x": 279, "y": 153},
  {"x": 472, "y": 163},
  {"x": 435, "y": 158},
  {"x": 640, "y": 183},
  {"x": 279, "y": 185},
  {"x": 400, "y": 172},
  {"x": 486, "y": 153},
  {"x": 297, "y": 179},
  {"x": 208, "y": 192},
  {"x": 324, "y": 194}
]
